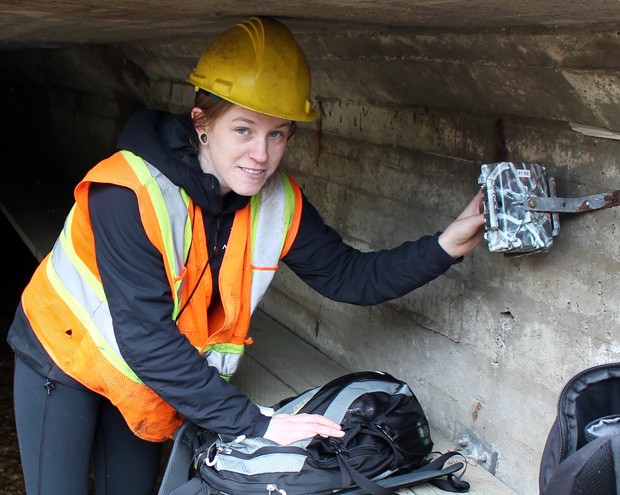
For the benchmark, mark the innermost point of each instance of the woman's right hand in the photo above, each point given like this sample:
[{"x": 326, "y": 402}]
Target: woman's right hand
[{"x": 288, "y": 428}]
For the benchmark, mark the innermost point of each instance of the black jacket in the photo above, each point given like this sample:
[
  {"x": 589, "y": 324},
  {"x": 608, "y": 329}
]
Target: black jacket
[{"x": 139, "y": 296}]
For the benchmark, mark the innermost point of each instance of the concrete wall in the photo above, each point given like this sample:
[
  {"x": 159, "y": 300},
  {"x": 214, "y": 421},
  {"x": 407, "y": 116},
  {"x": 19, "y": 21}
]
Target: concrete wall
[{"x": 408, "y": 117}]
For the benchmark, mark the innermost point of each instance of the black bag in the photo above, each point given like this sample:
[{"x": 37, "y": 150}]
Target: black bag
[
  {"x": 582, "y": 452},
  {"x": 386, "y": 446}
]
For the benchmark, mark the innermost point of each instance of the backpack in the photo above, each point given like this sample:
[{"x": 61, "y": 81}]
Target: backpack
[
  {"x": 386, "y": 446},
  {"x": 582, "y": 452}
]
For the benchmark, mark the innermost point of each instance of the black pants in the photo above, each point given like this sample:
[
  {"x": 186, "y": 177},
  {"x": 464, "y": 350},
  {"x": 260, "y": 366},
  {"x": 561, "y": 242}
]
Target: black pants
[{"x": 62, "y": 430}]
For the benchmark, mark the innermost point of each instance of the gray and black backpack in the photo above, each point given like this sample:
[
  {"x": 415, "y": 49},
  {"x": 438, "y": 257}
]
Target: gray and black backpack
[{"x": 387, "y": 446}]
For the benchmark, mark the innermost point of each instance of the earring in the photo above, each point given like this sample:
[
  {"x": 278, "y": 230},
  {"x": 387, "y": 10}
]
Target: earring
[{"x": 204, "y": 138}]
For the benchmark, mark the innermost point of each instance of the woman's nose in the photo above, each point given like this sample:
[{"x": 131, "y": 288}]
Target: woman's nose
[{"x": 258, "y": 150}]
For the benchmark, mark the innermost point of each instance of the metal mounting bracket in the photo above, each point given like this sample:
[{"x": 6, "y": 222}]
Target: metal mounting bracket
[
  {"x": 478, "y": 452},
  {"x": 573, "y": 205}
]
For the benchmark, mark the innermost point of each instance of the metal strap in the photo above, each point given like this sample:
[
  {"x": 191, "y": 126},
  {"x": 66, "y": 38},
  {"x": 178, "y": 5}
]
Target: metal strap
[{"x": 574, "y": 205}]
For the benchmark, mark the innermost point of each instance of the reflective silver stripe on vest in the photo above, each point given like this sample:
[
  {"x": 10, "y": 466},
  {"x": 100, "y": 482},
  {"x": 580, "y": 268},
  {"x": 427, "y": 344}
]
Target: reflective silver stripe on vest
[
  {"x": 177, "y": 216},
  {"x": 79, "y": 288},
  {"x": 269, "y": 229},
  {"x": 225, "y": 361}
]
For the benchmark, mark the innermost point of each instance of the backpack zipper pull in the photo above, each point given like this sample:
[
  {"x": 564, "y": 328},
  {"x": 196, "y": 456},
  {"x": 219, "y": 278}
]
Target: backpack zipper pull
[{"x": 273, "y": 488}]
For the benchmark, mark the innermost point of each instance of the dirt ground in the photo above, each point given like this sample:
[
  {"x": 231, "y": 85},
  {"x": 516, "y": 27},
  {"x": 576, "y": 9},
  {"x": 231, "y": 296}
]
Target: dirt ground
[{"x": 14, "y": 274}]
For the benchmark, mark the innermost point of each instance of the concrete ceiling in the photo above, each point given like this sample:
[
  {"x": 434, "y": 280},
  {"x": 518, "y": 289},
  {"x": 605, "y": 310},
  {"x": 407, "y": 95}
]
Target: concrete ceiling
[{"x": 52, "y": 23}]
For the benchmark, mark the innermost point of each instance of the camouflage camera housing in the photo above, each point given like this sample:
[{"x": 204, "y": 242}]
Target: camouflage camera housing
[{"x": 510, "y": 227}]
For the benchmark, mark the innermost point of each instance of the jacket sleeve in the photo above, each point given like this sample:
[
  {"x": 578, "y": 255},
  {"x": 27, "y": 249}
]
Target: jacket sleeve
[
  {"x": 140, "y": 302},
  {"x": 342, "y": 273}
]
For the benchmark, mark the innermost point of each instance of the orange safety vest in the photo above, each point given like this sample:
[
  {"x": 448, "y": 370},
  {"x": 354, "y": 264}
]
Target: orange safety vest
[{"x": 67, "y": 308}]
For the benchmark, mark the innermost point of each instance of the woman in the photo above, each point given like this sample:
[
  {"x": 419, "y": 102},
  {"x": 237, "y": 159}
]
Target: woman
[{"x": 139, "y": 316}]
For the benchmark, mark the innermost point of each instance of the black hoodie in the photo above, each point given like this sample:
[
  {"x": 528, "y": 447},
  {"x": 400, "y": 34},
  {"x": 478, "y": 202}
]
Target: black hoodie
[{"x": 139, "y": 297}]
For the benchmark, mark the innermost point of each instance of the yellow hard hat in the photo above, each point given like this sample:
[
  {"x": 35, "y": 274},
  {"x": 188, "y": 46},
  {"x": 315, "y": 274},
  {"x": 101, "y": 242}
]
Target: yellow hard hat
[{"x": 257, "y": 64}]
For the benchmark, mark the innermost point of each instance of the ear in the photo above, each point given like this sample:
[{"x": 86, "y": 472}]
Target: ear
[
  {"x": 196, "y": 112},
  {"x": 197, "y": 115}
]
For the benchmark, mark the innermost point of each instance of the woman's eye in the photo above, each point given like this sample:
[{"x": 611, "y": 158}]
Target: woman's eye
[
  {"x": 244, "y": 131},
  {"x": 276, "y": 134}
]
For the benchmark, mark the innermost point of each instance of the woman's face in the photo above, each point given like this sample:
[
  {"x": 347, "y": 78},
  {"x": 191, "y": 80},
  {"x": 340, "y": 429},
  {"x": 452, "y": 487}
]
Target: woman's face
[{"x": 243, "y": 149}]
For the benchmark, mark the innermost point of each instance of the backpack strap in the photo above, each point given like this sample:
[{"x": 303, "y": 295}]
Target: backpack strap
[
  {"x": 447, "y": 481},
  {"x": 444, "y": 478},
  {"x": 195, "y": 486},
  {"x": 366, "y": 484},
  {"x": 180, "y": 460}
]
